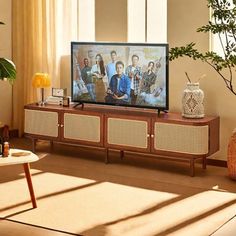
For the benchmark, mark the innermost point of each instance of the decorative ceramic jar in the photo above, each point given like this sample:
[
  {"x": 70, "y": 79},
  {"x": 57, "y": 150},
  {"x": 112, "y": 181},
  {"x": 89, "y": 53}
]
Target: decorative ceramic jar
[
  {"x": 231, "y": 162},
  {"x": 192, "y": 101}
]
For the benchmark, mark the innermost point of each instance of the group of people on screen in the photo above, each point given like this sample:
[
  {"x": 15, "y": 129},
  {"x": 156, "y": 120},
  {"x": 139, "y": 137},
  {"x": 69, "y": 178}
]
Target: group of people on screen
[{"x": 124, "y": 85}]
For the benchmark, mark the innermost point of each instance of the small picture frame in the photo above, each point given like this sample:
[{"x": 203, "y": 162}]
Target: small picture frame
[{"x": 58, "y": 92}]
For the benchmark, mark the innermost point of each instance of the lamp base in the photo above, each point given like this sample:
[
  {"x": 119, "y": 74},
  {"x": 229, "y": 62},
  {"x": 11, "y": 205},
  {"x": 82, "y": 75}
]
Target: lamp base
[{"x": 42, "y": 102}]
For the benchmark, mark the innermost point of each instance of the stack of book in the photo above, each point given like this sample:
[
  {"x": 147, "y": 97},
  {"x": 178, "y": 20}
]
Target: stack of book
[{"x": 54, "y": 100}]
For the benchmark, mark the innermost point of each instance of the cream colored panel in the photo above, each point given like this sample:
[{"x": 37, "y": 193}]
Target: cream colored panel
[
  {"x": 181, "y": 138},
  {"x": 82, "y": 127},
  {"x": 126, "y": 132},
  {"x": 136, "y": 21},
  {"x": 41, "y": 123},
  {"x": 157, "y": 21}
]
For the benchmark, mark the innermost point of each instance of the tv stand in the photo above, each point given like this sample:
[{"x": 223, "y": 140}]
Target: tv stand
[
  {"x": 79, "y": 104},
  {"x": 159, "y": 112},
  {"x": 168, "y": 136}
]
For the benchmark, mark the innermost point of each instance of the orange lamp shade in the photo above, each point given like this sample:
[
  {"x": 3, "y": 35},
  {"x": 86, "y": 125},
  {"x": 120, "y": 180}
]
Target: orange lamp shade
[{"x": 41, "y": 80}]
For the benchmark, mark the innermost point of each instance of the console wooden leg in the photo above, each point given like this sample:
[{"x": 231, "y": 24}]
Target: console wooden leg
[
  {"x": 34, "y": 141},
  {"x": 192, "y": 167},
  {"x": 204, "y": 162},
  {"x": 30, "y": 185},
  {"x": 121, "y": 155},
  {"x": 107, "y": 156},
  {"x": 51, "y": 145}
]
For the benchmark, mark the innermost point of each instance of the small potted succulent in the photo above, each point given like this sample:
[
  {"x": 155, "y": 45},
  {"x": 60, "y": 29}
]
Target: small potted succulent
[{"x": 7, "y": 68}]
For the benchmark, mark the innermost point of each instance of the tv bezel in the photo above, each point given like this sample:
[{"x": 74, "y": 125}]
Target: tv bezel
[{"x": 166, "y": 45}]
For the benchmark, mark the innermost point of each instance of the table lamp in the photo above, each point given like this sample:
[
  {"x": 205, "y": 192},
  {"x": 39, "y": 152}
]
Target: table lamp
[{"x": 41, "y": 80}]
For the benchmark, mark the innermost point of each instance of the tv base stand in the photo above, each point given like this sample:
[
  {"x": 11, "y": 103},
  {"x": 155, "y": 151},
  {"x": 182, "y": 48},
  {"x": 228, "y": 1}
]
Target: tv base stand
[
  {"x": 167, "y": 136},
  {"x": 79, "y": 104},
  {"x": 159, "y": 112}
]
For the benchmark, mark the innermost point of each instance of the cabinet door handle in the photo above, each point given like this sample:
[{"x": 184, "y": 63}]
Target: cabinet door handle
[
  {"x": 148, "y": 135},
  {"x": 62, "y": 125},
  {"x": 58, "y": 125},
  {"x": 152, "y": 136}
]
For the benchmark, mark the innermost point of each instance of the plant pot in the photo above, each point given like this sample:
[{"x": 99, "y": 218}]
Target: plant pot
[
  {"x": 231, "y": 157},
  {"x": 192, "y": 101}
]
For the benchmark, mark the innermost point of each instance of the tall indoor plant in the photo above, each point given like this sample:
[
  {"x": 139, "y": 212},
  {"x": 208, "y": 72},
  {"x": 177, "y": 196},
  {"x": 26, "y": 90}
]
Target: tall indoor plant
[
  {"x": 223, "y": 24},
  {"x": 7, "y": 68}
]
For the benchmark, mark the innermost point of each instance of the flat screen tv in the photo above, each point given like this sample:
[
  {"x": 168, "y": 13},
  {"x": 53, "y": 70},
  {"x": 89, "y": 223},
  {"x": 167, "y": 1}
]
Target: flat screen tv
[{"x": 124, "y": 74}]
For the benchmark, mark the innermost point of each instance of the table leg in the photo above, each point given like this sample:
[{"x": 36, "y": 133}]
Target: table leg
[
  {"x": 30, "y": 185},
  {"x": 34, "y": 141}
]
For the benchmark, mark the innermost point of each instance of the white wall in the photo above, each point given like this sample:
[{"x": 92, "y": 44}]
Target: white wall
[{"x": 5, "y": 51}]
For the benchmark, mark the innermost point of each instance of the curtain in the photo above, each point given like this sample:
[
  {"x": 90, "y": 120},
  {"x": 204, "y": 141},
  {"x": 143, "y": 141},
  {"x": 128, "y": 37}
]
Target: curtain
[{"x": 42, "y": 31}]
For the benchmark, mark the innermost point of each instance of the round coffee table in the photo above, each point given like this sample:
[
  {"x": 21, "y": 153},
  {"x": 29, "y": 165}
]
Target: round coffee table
[{"x": 24, "y": 160}]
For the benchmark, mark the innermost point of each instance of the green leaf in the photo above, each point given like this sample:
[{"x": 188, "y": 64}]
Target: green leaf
[{"x": 7, "y": 70}]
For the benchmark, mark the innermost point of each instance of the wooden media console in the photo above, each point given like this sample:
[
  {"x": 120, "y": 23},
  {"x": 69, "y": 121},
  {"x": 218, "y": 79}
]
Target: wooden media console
[{"x": 126, "y": 129}]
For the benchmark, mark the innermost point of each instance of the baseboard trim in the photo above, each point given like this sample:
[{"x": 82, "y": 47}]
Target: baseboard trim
[{"x": 214, "y": 162}]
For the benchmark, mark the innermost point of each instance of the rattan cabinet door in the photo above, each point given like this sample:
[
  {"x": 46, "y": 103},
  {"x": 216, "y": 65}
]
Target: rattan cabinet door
[
  {"x": 179, "y": 138},
  {"x": 127, "y": 133},
  {"x": 82, "y": 127},
  {"x": 41, "y": 123}
]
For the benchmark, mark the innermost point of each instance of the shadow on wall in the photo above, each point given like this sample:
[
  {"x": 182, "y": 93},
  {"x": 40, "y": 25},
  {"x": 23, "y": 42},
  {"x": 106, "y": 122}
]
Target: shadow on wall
[{"x": 65, "y": 72}]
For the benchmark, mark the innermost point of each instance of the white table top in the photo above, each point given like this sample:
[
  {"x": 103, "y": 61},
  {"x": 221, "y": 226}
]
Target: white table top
[{"x": 11, "y": 160}]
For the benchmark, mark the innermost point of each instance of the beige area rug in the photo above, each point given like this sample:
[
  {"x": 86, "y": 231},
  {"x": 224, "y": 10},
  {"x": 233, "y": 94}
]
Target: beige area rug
[
  {"x": 9, "y": 228},
  {"x": 77, "y": 193}
]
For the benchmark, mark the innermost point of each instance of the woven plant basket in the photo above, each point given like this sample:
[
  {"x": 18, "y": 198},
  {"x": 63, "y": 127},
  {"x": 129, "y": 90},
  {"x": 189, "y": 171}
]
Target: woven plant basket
[{"x": 232, "y": 156}]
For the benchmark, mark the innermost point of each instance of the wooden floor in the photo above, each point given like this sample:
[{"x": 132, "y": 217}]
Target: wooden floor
[
  {"x": 77, "y": 194},
  {"x": 9, "y": 228}
]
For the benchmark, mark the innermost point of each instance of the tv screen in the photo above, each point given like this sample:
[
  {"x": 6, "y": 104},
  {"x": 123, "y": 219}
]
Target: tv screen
[{"x": 122, "y": 74}]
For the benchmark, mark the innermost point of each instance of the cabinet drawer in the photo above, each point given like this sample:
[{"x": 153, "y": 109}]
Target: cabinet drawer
[
  {"x": 43, "y": 123},
  {"x": 181, "y": 138}
]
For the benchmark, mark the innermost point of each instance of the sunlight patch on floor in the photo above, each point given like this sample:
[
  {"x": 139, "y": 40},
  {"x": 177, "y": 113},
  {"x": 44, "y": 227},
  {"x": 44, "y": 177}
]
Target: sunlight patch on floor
[
  {"x": 180, "y": 217},
  {"x": 85, "y": 203}
]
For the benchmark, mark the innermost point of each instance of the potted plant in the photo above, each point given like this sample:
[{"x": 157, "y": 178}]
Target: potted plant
[
  {"x": 223, "y": 24},
  {"x": 7, "y": 68}
]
